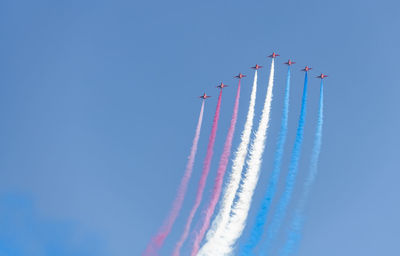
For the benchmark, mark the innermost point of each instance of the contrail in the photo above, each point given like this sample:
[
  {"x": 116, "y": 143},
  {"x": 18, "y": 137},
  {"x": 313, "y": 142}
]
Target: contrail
[
  {"x": 297, "y": 222},
  {"x": 240, "y": 209},
  {"x": 203, "y": 178},
  {"x": 158, "y": 240},
  {"x": 291, "y": 178},
  {"x": 261, "y": 219},
  {"x": 220, "y": 176},
  {"x": 213, "y": 234}
]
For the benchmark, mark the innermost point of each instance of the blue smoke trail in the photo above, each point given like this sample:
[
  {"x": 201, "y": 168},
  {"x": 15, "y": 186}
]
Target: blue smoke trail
[
  {"x": 294, "y": 236},
  {"x": 291, "y": 178},
  {"x": 261, "y": 219}
]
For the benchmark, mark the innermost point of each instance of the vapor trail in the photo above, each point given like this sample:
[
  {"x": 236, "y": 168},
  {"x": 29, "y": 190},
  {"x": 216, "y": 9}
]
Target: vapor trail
[
  {"x": 240, "y": 209},
  {"x": 223, "y": 163},
  {"x": 213, "y": 234},
  {"x": 297, "y": 222},
  {"x": 261, "y": 219},
  {"x": 291, "y": 177},
  {"x": 203, "y": 178},
  {"x": 158, "y": 240}
]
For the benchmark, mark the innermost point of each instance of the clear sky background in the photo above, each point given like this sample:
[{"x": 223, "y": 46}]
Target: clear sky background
[{"x": 98, "y": 105}]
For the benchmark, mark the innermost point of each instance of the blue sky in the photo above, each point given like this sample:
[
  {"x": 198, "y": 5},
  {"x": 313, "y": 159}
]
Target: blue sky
[{"x": 98, "y": 108}]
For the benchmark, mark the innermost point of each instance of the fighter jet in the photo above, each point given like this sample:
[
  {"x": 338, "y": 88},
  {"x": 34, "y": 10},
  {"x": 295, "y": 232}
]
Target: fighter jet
[
  {"x": 307, "y": 68},
  {"x": 274, "y": 55},
  {"x": 256, "y": 67},
  {"x": 222, "y": 85},
  {"x": 204, "y": 96},
  {"x": 322, "y": 76},
  {"x": 240, "y": 76},
  {"x": 289, "y": 62}
]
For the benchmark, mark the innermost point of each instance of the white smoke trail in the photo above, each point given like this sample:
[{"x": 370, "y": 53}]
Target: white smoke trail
[
  {"x": 232, "y": 186},
  {"x": 239, "y": 212}
]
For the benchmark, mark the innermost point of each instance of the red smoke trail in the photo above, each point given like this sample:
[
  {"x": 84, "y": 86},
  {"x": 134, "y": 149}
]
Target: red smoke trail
[
  {"x": 158, "y": 240},
  {"x": 223, "y": 163},
  {"x": 203, "y": 178}
]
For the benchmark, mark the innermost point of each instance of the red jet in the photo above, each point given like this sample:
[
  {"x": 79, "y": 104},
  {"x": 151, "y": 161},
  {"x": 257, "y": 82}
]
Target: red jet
[
  {"x": 274, "y": 55},
  {"x": 307, "y": 68},
  {"x": 222, "y": 85},
  {"x": 256, "y": 67},
  {"x": 322, "y": 76},
  {"x": 204, "y": 96},
  {"x": 240, "y": 76},
  {"x": 290, "y": 62}
]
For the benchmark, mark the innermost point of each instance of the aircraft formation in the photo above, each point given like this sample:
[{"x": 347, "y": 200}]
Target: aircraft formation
[
  {"x": 219, "y": 229},
  {"x": 256, "y": 67}
]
